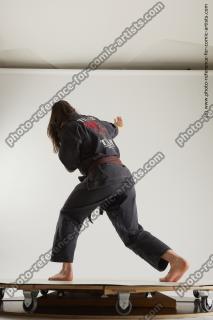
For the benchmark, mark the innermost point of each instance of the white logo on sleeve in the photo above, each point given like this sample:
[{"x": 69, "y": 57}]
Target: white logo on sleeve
[{"x": 108, "y": 143}]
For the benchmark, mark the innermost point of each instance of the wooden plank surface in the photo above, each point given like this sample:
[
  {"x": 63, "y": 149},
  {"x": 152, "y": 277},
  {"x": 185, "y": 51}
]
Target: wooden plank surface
[
  {"x": 109, "y": 286},
  {"x": 98, "y": 281}
]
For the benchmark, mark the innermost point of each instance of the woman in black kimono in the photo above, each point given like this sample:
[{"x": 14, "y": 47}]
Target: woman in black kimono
[{"x": 86, "y": 143}]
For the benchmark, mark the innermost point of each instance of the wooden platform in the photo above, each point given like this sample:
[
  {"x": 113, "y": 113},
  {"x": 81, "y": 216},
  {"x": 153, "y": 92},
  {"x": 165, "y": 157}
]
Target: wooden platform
[{"x": 97, "y": 299}]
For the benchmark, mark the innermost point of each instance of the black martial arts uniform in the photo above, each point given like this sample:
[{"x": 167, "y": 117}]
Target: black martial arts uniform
[{"x": 83, "y": 139}]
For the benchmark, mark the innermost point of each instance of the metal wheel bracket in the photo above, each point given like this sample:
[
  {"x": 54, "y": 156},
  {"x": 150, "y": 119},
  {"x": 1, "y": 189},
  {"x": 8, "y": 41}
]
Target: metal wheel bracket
[
  {"x": 209, "y": 301},
  {"x": 123, "y": 300},
  {"x": 29, "y": 296},
  {"x": 203, "y": 293}
]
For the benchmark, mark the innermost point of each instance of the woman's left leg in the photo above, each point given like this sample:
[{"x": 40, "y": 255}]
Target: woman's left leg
[
  {"x": 66, "y": 273},
  {"x": 80, "y": 204}
]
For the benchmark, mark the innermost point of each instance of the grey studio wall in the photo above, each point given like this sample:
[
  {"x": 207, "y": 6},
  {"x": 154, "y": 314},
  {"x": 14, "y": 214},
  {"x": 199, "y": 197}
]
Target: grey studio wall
[{"x": 174, "y": 199}]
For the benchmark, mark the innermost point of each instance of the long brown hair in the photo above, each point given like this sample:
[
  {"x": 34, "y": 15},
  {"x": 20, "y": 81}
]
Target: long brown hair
[{"x": 61, "y": 112}]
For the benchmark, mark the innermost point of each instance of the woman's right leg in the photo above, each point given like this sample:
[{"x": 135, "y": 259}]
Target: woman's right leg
[
  {"x": 178, "y": 266},
  {"x": 124, "y": 217}
]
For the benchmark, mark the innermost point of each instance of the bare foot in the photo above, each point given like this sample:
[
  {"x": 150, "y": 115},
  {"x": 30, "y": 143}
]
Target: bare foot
[
  {"x": 62, "y": 276},
  {"x": 66, "y": 274},
  {"x": 178, "y": 267}
]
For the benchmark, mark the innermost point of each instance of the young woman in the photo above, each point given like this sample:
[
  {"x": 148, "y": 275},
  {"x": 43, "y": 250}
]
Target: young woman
[{"x": 86, "y": 143}]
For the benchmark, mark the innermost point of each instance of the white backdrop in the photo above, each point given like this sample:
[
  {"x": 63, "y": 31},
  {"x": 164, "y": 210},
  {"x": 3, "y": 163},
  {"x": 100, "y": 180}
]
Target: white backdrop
[{"x": 174, "y": 200}]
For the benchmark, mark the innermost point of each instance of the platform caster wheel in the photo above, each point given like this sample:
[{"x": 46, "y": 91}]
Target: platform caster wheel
[
  {"x": 121, "y": 311},
  {"x": 196, "y": 294},
  {"x": 61, "y": 293},
  {"x": 2, "y": 293},
  {"x": 30, "y": 308},
  {"x": 44, "y": 292},
  {"x": 30, "y": 301},
  {"x": 206, "y": 304}
]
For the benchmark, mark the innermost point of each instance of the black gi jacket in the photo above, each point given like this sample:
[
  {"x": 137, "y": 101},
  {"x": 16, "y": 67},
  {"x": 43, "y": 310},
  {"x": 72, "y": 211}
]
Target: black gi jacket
[{"x": 85, "y": 138}]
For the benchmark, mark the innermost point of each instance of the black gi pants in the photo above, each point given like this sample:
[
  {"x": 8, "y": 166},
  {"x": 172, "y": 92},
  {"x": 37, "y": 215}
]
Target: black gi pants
[{"x": 111, "y": 188}]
